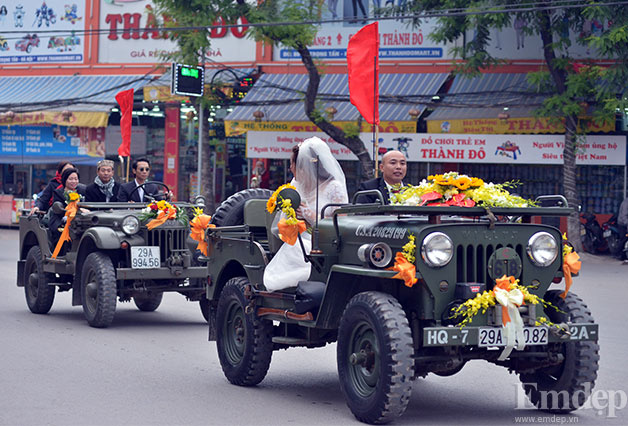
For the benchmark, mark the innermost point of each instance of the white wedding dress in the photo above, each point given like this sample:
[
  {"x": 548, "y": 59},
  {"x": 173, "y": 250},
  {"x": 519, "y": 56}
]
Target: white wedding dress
[{"x": 288, "y": 266}]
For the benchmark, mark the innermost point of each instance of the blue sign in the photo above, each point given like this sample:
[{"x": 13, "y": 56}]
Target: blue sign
[{"x": 39, "y": 144}]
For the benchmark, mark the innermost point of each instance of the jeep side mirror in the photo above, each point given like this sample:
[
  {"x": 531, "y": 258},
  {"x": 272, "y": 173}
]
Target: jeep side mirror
[{"x": 57, "y": 207}]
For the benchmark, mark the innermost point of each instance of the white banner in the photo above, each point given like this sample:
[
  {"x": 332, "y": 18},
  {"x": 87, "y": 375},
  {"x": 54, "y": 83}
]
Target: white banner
[
  {"x": 523, "y": 149},
  {"x": 445, "y": 148},
  {"x": 134, "y": 46}
]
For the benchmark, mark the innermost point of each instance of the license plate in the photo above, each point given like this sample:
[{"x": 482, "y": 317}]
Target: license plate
[
  {"x": 145, "y": 257},
  {"x": 607, "y": 233},
  {"x": 493, "y": 336}
]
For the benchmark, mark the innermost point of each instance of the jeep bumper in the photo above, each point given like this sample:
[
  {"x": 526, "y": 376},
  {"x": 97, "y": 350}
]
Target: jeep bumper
[
  {"x": 491, "y": 336},
  {"x": 161, "y": 273}
]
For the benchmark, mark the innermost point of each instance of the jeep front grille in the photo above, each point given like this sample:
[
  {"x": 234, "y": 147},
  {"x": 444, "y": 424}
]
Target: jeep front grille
[
  {"x": 168, "y": 240},
  {"x": 472, "y": 262}
]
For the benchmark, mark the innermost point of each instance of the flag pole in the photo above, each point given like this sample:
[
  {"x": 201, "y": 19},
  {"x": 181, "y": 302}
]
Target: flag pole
[
  {"x": 375, "y": 126},
  {"x": 128, "y": 166}
]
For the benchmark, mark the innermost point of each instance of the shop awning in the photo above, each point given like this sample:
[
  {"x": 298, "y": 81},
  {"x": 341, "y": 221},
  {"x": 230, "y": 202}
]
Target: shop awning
[
  {"x": 486, "y": 95},
  {"x": 280, "y": 98},
  {"x": 95, "y": 93},
  {"x": 494, "y": 104}
]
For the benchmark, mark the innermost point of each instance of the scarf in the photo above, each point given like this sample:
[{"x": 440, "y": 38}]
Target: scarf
[{"x": 105, "y": 188}]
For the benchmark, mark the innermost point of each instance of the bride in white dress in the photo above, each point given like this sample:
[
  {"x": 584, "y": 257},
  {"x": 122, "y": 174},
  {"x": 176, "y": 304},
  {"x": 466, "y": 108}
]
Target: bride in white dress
[{"x": 288, "y": 266}]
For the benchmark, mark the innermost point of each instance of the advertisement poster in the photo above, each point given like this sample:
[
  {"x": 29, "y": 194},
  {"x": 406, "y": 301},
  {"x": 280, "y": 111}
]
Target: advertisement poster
[
  {"x": 397, "y": 38},
  {"x": 122, "y": 41},
  {"x": 44, "y": 144},
  {"x": 460, "y": 148},
  {"x": 23, "y": 25}
]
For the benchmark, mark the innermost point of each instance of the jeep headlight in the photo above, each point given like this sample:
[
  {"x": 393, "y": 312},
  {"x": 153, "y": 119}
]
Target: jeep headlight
[
  {"x": 378, "y": 254},
  {"x": 542, "y": 248},
  {"x": 437, "y": 249},
  {"x": 130, "y": 225}
]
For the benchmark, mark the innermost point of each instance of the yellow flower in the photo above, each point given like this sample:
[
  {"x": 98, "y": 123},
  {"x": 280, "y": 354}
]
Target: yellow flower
[
  {"x": 271, "y": 204},
  {"x": 161, "y": 204},
  {"x": 462, "y": 183},
  {"x": 198, "y": 211},
  {"x": 475, "y": 182},
  {"x": 74, "y": 196},
  {"x": 409, "y": 249}
]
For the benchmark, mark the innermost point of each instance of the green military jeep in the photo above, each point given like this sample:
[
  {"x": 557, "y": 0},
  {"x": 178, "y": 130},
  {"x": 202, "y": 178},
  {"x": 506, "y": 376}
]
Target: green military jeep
[
  {"x": 388, "y": 333},
  {"x": 112, "y": 256}
]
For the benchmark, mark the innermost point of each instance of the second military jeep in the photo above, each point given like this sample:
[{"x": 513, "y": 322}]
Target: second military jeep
[
  {"x": 388, "y": 333},
  {"x": 112, "y": 255}
]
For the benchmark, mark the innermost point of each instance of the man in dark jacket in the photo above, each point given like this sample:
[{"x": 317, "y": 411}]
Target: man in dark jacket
[
  {"x": 105, "y": 188},
  {"x": 393, "y": 170},
  {"x": 44, "y": 202},
  {"x": 141, "y": 170}
]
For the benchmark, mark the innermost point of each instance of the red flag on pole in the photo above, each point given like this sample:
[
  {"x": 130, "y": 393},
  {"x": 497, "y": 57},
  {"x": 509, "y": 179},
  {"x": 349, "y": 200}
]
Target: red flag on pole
[
  {"x": 363, "y": 63},
  {"x": 125, "y": 100}
]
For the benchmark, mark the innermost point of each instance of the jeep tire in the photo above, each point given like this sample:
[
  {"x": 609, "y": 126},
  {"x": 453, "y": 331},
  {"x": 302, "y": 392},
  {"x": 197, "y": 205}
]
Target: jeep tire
[
  {"x": 148, "y": 302},
  {"x": 553, "y": 388},
  {"x": 39, "y": 294},
  {"x": 244, "y": 341},
  {"x": 231, "y": 211},
  {"x": 374, "y": 356},
  {"x": 98, "y": 290}
]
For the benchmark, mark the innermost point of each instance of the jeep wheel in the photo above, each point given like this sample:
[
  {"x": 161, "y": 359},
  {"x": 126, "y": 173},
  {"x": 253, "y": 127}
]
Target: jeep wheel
[
  {"x": 244, "y": 342},
  {"x": 98, "y": 291},
  {"x": 375, "y": 357},
  {"x": 231, "y": 211},
  {"x": 39, "y": 295},
  {"x": 565, "y": 387},
  {"x": 148, "y": 302}
]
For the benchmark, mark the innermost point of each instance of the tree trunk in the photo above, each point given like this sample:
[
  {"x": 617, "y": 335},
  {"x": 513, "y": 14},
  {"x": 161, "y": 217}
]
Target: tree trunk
[
  {"x": 559, "y": 77},
  {"x": 207, "y": 170},
  {"x": 354, "y": 143}
]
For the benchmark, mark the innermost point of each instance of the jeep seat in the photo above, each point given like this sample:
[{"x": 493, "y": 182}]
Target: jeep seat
[{"x": 260, "y": 221}]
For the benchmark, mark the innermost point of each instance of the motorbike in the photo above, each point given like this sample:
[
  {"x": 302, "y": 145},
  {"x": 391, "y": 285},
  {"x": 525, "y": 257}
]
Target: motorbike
[
  {"x": 613, "y": 234},
  {"x": 592, "y": 235}
]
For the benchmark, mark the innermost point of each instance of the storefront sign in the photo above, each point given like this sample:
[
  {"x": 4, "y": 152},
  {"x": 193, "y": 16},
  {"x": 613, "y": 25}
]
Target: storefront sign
[
  {"x": 397, "y": 38},
  {"x": 236, "y": 128},
  {"x": 78, "y": 119},
  {"x": 41, "y": 144},
  {"x": 439, "y": 148},
  {"x": 526, "y": 125},
  {"x": 171, "y": 150},
  {"x": 65, "y": 18},
  {"x": 132, "y": 36},
  {"x": 521, "y": 149},
  {"x": 279, "y": 145}
]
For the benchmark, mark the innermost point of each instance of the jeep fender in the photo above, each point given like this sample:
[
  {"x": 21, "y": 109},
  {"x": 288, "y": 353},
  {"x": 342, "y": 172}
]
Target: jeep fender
[{"x": 107, "y": 238}]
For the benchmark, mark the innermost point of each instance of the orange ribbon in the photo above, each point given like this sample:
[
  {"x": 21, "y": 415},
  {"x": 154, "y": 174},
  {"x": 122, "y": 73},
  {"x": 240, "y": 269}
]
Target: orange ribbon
[
  {"x": 571, "y": 265},
  {"x": 289, "y": 233},
  {"x": 197, "y": 232},
  {"x": 504, "y": 283},
  {"x": 406, "y": 270},
  {"x": 70, "y": 212},
  {"x": 161, "y": 218}
]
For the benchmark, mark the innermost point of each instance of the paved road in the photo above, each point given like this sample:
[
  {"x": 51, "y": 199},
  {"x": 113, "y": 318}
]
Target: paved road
[{"x": 159, "y": 369}]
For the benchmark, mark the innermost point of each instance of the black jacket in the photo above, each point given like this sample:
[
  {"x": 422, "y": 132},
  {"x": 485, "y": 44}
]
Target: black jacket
[
  {"x": 377, "y": 183},
  {"x": 127, "y": 188},
  {"x": 59, "y": 195},
  {"x": 93, "y": 194},
  {"x": 44, "y": 202}
]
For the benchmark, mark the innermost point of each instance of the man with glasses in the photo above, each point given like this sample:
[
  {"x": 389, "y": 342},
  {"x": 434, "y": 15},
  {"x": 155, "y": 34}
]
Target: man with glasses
[
  {"x": 104, "y": 189},
  {"x": 141, "y": 170}
]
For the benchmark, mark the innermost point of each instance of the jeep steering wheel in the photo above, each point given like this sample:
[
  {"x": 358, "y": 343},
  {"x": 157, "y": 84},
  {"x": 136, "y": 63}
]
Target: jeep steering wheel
[{"x": 158, "y": 196}]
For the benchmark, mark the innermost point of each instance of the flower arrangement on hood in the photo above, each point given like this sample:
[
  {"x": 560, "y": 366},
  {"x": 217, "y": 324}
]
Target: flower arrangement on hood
[
  {"x": 454, "y": 189},
  {"x": 160, "y": 211}
]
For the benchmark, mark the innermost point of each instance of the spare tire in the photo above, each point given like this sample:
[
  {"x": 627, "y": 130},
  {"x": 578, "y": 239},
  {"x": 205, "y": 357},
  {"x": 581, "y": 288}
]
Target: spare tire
[{"x": 231, "y": 211}]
